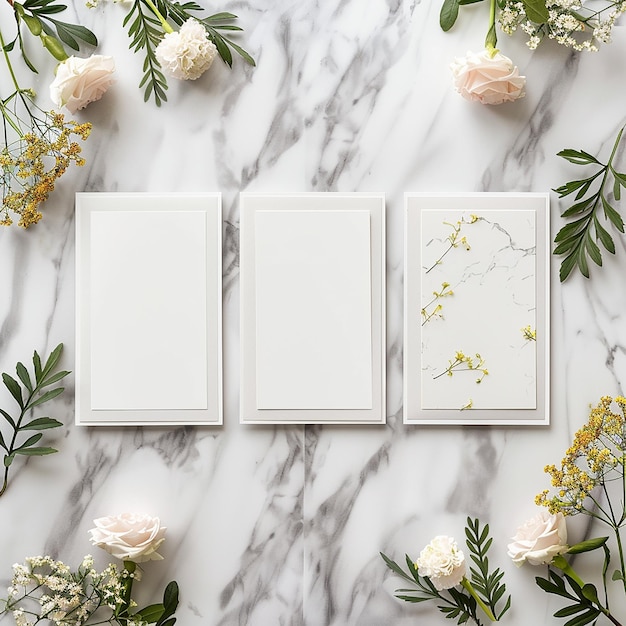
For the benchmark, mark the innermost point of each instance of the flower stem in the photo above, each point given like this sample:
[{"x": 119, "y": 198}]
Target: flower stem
[
  {"x": 166, "y": 27},
  {"x": 492, "y": 38},
  {"x": 467, "y": 585},
  {"x": 8, "y": 61}
]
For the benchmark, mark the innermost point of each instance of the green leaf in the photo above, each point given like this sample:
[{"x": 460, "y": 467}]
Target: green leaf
[
  {"x": 53, "y": 393},
  {"x": 588, "y": 545},
  {"x": 617, "y": 575},
  {"x": 14, "y": 388},
  {"x": 31, "y": 441},
  {"x": 150, "y": 613},
  {"x": 53, "y": 359},
  {"x": 36, "y": 451},
  {"x": 612, "y": 215},
  {"x": 394, "y": 567},
  {"x": 2, "y": 443},
  {"x": 37, "y": 366},
  {"x": 24, "y": 376},
  {"x": 7, "y": 417},
  {"x": 8, "y": 459},
  {"x": 41, "y": 423},
  {"x": 578, "y": 157},
  {"x": 54, "y": 378},
  {"x": 585, "y": 618},
  {"x": 448, "y": 14},
  {"x": 603, "y": 235},
  {"x": 567, "y": 265},
  {"x": 170, "y": 603},
  {"x": 570, "y": 610}
]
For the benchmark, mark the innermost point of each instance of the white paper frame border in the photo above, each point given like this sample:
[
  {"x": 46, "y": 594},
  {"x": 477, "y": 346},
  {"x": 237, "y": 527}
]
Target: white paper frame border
[
  {"x": 250, "y": 203},
  {"x": 475, "y": 202},
  {"x": 207, "y": 205}
]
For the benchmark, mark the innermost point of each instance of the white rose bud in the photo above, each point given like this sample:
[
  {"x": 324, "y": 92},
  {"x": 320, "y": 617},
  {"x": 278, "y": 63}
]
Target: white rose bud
[
  {"x": 129, "y": 536},
  {"x": 539, "y": 540},
  {"x": 188, "y": 53},
  {"x": 487, "y": 79},
  {"x": 442, "y": 562},
  {"x": 81, "y": 81}
]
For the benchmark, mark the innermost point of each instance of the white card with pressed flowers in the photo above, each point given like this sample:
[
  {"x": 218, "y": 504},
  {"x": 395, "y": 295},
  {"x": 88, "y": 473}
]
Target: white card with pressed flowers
[
  {"x": 476, "y": 308},
  {"x": 478, "y": 297}
]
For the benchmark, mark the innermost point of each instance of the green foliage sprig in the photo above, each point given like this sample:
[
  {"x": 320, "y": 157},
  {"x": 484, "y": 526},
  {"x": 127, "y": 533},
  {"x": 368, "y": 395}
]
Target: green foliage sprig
[
  {"x": 29, "y": 393},
  {"x": 54, "y": 34},
  {"x": 483, "y": 589},
  {"x": 577, "y": 240}
]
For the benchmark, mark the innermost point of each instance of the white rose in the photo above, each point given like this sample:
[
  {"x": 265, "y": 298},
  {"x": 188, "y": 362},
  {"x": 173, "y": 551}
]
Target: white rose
[
  {"x": 487, "y": 79},
  {"x": 129, "y": 536},
  {"x": 81, "y": 81},
  {"x": 442, "y": 562},
  {"x": 539, "y": 540},
  {"x": 187, "y": 54}
]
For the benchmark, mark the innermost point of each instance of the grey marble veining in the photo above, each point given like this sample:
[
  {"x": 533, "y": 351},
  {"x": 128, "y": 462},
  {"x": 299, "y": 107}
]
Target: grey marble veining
[{"x": 282, "y": 525}]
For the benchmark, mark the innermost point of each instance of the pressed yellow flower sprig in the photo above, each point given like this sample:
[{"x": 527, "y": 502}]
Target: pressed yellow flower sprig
[
  {"x": 465, "y": 363},
  {"x": 38, "y": 147}
]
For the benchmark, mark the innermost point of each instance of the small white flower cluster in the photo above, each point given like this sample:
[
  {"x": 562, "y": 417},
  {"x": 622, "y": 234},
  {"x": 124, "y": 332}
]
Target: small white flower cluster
[
  {"x": 42, "y": 588},
  {"x": 569, "y": 23}
]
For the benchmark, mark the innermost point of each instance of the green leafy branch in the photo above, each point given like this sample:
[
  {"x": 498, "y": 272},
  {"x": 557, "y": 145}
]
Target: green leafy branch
[
  {"x": 483, "y": 589},
  {"x": 37, "y": 15},
  {"x": 456, "y": 605},
  {"x": 577, "y": 240},
  {"x": 28, "y": 395},
  {"x": 584, "y": 604},
  {"x": 144, "y": 29},
  {"x": 488, "y": 585}
]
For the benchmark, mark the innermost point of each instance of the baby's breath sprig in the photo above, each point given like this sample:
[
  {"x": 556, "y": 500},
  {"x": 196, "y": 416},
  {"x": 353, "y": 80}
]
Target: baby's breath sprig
[
  {"x": 44, "y": 590},
  {"x": 577, "y": 240},
  {"x": 464, "y": 363}
]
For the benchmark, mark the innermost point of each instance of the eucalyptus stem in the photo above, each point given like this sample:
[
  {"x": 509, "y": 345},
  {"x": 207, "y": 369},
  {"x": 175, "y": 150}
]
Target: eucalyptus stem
[{"x": 166, "y": 27}]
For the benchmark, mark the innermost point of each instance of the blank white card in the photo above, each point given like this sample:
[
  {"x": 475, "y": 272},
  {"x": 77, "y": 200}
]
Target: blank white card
[
  {"x": 313, "y": 309},
  {"x": 148, "y": 310}
]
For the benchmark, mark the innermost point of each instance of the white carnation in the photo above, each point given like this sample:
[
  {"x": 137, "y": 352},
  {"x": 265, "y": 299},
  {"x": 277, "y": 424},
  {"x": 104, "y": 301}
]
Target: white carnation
[
  {"x": 442, "y": 562},
  {"x": 187, "y": 54}
]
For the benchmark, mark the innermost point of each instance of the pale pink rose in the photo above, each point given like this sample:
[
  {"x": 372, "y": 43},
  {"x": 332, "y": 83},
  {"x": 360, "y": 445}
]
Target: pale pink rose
[
  {"x": 81, "y": 81},
  {"x": 488, "y": 79},
  {"x": 129, "y": 536},
  {"x": 539, "y": 540},
  {"x": 442, "y": 562},
  {"x": 188, "y": 53}
]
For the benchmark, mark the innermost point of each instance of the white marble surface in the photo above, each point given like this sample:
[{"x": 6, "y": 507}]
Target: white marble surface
[{"x": 283, "y": 525}]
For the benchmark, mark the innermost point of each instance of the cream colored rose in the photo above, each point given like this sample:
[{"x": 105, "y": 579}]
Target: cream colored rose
[
  {"x": 129, "y": 536},
  {"x": 487, "y": 79},
  {"x": 187, "y": 54},
  {"x": 442, "y": 562},
  {"x": 539, "y": 540},
  {"x": 81, "y": 81}
]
